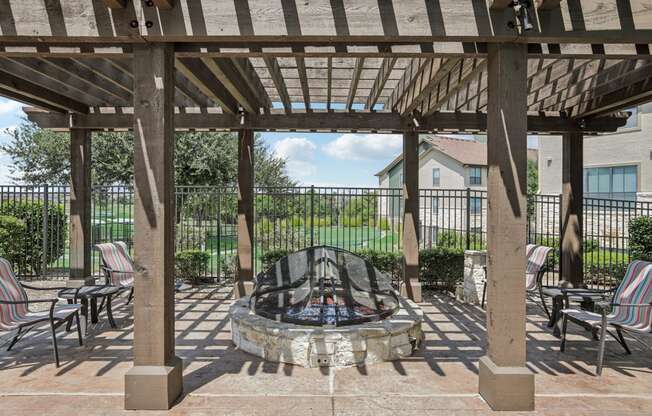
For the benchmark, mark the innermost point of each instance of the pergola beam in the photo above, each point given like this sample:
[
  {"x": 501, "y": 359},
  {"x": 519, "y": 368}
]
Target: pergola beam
[
  {"x": 23, "y": 88},
  {"x": 228, "y": 75},
  {"x": 384, "y": 73},
  {"x": 353, "y": 89},
  {"x": 303, "y": 79},
  {"x": 199, "y": 75},
  {"x": 331, "y": 121},
  {"x": 279, "y": 82}
]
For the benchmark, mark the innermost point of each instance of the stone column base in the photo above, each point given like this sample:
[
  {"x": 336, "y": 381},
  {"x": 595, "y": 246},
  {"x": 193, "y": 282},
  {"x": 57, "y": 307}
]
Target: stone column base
[
  {"x": 416, "y": 291},
  {"x": 243, "y": 289},
  {"x": 506, "y": 388},
  {"x": 149, "y": 387}
]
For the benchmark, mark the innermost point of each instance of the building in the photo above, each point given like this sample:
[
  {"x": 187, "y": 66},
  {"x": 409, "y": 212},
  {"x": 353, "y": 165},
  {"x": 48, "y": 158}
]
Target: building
[
  {"x": 616, "y": 165},
  {"x": 452, "y": 178},
  {"x": 444, "y": 163}
]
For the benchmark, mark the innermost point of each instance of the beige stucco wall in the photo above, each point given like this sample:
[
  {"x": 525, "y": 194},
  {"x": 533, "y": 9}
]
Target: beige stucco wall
[
  {"x": 628, "y": 147},
  {"x": 453, "y": 175}
]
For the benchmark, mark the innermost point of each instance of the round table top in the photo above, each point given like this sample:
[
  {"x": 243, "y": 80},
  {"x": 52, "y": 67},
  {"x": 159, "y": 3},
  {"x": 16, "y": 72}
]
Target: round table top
[{"x": 91, "y": 291}]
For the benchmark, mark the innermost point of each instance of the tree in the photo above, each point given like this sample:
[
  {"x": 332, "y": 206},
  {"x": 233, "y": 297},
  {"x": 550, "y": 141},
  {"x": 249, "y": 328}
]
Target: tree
[
  {"x": 532, "y": 187},
  {"x": 202, "y": 158}
]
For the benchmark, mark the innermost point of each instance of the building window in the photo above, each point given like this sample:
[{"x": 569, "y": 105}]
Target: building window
[
  {"x": 434, "y": 203},
  {"x": 617, "y": 182},
  {"x": 475, "y": 205},
  {"x": 436, "y": 177},
  {"x": 475, "y": 175}
]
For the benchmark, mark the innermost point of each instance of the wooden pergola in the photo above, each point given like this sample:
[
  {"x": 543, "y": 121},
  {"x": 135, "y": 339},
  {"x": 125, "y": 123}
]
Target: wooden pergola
[{"x": 407, "y": 66}]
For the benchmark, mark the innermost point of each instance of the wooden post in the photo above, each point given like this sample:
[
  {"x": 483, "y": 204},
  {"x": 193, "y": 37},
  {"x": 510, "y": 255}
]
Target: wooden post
[
  {"x": 571, "y": 209},
  {"x": 80, "y": 208},
  {"x": 411, "y": 286},
  {"x": 155, "y": 381},
  {"x": 245, "y": 283},
  {"x": 505, "y": 382}
]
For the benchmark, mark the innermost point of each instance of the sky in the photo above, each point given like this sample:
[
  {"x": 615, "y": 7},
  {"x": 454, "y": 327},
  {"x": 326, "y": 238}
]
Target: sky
[{"x": 319, "y": 159}]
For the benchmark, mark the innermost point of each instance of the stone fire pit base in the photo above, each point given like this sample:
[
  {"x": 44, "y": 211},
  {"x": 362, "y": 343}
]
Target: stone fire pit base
[{"x": 390, "y": 339}]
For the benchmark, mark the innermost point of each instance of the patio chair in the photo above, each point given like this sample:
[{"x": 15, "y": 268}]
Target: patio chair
[
  {"x": 118, "y": 266},
  {"x": 15, "y": 314},
  {"x": 631, "y": 310},
  {"x": 534, "y": 270}
]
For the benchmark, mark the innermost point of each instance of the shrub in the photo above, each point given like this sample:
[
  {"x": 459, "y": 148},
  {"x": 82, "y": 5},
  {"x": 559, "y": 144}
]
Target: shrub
[
  {"x": 12, "y": 232},
  {"x": 441, "y": 267},
  {"x": 590, "y": 245},
  {"x": 384, "y": 224},
  {"x": 31, "y": 214},
  {"x": 640, "y": 238},
  {"x": 455, "y": 239},
  {"x": 191, "y": 264},
  {"x": 272, "y": 256},
  {"x": 349, "y": 221},
  {"x": 189, "y": 237},
  {"x": 387, "y": 262}
]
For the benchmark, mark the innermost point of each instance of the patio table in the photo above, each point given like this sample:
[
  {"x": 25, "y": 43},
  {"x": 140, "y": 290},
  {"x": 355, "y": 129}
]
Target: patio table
[
  {"x": 557, "y": 296},
  {"x": 90, "y": 294}
]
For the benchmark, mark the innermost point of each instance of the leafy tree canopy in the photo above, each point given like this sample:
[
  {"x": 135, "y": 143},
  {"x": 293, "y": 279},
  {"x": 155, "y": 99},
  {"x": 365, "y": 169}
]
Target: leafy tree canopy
[{"x": 202, "y": 158}]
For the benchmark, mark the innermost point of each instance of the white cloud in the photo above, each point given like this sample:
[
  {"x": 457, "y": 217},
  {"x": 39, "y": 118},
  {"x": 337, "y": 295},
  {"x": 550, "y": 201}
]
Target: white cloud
[
  {"x": 295, "y": 148},
  {"x": 7, "y": 106},
  {"x": 364, "y": 146},
  {"x": 299, "y": 154}
]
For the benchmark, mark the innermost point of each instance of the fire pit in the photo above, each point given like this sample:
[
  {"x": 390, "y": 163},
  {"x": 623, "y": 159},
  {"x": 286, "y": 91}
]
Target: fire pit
[{"x": 324, "y": 306}]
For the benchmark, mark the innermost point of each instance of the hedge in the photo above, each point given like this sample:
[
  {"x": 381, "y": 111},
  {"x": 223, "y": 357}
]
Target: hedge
[
  {"x": 31, "y": 213},
  {"x": 272, "y": 256},
  {"x": 440, "y": 267},
  {"x": 12, "y": 231},
  {"x": 191, "y": 264},
  {"x": 640, "y": 238}
]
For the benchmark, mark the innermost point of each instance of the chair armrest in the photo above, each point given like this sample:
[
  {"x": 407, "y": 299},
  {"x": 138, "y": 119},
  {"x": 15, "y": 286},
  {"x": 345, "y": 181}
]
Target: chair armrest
[
  {"x": 637, "y": 305},
  {"x": 26, "y": 286}
]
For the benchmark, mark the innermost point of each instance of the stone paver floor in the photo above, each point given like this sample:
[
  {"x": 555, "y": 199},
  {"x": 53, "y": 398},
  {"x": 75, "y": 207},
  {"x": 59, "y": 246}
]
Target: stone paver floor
[{"x": 218, "y": 379}]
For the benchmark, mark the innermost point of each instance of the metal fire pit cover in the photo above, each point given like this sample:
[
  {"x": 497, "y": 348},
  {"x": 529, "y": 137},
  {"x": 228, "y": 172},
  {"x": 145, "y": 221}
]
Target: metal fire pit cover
[{"x": 323, "y": 286}]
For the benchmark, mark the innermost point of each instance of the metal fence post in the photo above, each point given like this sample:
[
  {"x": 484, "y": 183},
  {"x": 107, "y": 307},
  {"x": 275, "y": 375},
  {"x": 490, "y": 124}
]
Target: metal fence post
[
  {"x": 312, "y": 215},
  {"x": 468, "y": 218},
  {"x": 45, "y": 225}
]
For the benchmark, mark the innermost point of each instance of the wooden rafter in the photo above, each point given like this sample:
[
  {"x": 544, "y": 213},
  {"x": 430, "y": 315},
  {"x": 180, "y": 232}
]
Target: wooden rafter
[
  {"x": 71, "y": 79},
  {"x": 469, "y": 70},
  {"x": 226, "y": 72},
  {"x": 353, "y": 89},
  {"x": 279, "y": 82},
  {"x": 426, "y": 82},
  {"x": 19, "y": 87},
  {"x": 329, "y": 82},
  {"x": 104, "y": 68},
  {"x": 384, "y": 72},
  {"x": 630, "y": 89},
  {"x": 411, "y": 76},
  {"x": 198, "y": 74},
  {"x": 46, "y": 83},
  {"x": 249, "y": 76},
  {"x": 88, "y": 76},
  {"x": 303, "y": 79}
]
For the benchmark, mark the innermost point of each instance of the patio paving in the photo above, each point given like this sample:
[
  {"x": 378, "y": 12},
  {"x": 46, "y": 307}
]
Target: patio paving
[{"x": 441, "y": 378}]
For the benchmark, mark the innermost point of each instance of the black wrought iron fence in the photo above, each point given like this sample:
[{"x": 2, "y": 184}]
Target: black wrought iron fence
[{"x": 296, "y": 217}]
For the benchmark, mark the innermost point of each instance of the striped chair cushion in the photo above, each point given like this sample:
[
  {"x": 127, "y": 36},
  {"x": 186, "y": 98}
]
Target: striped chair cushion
[
  {"x": 636, "y": 288},
  {"x": 115, "y": 257},
  {"x": 536, "y": 258},
  {"x": 11, "y": 290}
]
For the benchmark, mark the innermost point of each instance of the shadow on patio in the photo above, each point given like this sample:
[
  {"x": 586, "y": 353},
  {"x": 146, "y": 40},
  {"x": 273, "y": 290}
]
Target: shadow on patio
[{"x": 443, "y": 375}]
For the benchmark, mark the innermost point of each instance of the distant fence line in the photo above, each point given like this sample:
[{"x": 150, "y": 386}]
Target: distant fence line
[{"x": 352, "y": 218}]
